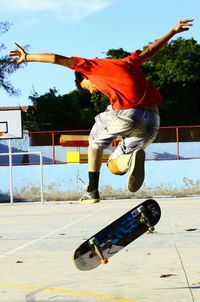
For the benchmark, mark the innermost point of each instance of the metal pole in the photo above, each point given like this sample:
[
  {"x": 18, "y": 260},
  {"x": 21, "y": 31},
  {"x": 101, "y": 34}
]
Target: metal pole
[
  {"x": 53, "y": 145},
  {"x": 10, "y": 154},
  {"x": 10, "y": 171},
  {"x": 41, "y": 179},
  {"x": 177, "y": 143}
]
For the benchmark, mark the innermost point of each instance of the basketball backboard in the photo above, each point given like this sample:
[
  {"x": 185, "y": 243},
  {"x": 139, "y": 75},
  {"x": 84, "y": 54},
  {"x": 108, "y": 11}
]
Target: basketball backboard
[{"x": 11, "y": 124}]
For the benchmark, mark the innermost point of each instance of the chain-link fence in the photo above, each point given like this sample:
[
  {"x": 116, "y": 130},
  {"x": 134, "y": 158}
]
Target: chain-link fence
[{"x": 70, "y": 146}]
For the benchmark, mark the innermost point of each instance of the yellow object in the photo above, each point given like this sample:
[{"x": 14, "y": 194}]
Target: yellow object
[{"x": 73, "y": 157}]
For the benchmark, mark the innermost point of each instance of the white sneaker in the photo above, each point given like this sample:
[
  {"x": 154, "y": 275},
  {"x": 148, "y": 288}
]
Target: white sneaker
[
  {"x": 136, "y": 170},
  {"x": 90, "y": 197}
]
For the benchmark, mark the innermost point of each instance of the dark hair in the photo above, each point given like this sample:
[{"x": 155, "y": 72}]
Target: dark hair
[{"x": 79, "y": 77}]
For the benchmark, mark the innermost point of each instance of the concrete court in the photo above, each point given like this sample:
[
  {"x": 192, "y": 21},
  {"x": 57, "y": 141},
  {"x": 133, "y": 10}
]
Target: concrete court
[{"x": 37, "y": 242}]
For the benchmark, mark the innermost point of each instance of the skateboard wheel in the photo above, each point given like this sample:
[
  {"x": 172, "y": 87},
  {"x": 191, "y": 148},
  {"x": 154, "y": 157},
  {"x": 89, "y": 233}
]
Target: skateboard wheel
[
  {"x": 92, "y": 241},
  {"x": 151, "y": 229},
  {"x": 104, "y": 261},
  {"x": 140, "y": 209}
]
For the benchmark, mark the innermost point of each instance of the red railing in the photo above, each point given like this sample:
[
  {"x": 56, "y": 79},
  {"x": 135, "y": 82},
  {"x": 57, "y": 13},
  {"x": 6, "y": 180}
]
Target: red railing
[{"x": 55, "y": 145}]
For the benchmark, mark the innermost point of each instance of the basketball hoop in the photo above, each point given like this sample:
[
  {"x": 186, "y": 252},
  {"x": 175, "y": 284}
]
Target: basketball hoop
[{"x": 1, "y": 133}]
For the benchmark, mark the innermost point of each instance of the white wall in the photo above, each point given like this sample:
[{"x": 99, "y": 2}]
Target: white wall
[{"x": 68, "y": 181}]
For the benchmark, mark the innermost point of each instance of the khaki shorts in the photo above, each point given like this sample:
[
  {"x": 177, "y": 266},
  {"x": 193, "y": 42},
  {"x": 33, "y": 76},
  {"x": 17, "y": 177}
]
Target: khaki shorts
[{"x": 138, "y": 127}]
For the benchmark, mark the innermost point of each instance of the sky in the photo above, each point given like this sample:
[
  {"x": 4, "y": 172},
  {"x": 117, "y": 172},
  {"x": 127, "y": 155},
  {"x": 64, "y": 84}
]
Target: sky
[{"x": 85, "y": 28}]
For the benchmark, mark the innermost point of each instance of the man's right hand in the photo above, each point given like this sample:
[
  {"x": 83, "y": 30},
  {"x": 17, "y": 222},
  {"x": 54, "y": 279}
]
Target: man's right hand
[{"x": 19, "y": 55}]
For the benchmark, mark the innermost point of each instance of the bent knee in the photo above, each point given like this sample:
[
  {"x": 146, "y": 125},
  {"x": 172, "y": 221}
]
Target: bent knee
[{"x": 113, "y": 167}]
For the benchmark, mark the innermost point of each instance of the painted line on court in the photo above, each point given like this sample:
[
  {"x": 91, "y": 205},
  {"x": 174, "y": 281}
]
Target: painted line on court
[
  {"x": 49, "y": 234},
  {"x": 67, "y": 292}
]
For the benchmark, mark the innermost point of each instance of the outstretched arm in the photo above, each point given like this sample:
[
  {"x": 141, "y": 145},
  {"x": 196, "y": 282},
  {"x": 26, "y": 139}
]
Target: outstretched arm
[
  {"x": 20, "y": 56},
  {"x": 154, "y": 48}
]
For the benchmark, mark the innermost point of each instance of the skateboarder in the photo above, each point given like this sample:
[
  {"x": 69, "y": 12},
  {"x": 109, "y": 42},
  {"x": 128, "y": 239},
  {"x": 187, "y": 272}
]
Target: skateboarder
[{"x": 132, "y": 113}]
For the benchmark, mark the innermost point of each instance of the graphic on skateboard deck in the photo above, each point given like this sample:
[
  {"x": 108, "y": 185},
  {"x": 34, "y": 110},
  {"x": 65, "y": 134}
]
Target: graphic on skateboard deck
[{"x": 114, "y": 237}]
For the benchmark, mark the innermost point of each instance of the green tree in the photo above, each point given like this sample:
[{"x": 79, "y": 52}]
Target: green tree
[
  {"x": 52, "y": 111},
  {"x": 118, "y": 53},
  {"x": 176, "y": 71},
  {"x": 6, "y": 68}
]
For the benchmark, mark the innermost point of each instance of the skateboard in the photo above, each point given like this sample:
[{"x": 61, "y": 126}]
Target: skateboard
[{"x": 110, "y": 240}]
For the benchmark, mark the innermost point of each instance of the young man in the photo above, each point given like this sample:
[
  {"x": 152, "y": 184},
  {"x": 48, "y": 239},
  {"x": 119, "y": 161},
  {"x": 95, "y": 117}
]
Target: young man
[{"x": 132, "y": 113}]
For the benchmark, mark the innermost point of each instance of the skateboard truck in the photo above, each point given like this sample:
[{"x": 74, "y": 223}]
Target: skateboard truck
[
  {"x": 97, "y": 250},
  {"x": 144, "y": 219}
]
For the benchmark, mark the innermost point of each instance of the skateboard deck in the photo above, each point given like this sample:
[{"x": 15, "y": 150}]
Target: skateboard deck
[{"x": 110, "y": 240}]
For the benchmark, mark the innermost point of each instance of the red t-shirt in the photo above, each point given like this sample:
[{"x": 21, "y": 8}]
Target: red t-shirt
[{"x": 120, "y": 80}]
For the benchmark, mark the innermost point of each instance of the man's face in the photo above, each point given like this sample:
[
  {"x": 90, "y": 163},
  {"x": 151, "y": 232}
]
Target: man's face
[{"x": 86, "y": 84}]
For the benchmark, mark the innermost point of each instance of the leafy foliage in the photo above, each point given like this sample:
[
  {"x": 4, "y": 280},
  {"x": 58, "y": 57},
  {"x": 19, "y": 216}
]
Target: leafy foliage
[
  {"x": 176, "y": 71},
  {"x": 6, "y": 68},
  {"x": 119, "y": 53},
  {"x": 52, "y": 111},
  {"x": 178, "y": 62}
]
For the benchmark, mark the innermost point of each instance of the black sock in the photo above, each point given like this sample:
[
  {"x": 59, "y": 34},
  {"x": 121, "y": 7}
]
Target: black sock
[{"x": 93, "y": 181}]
